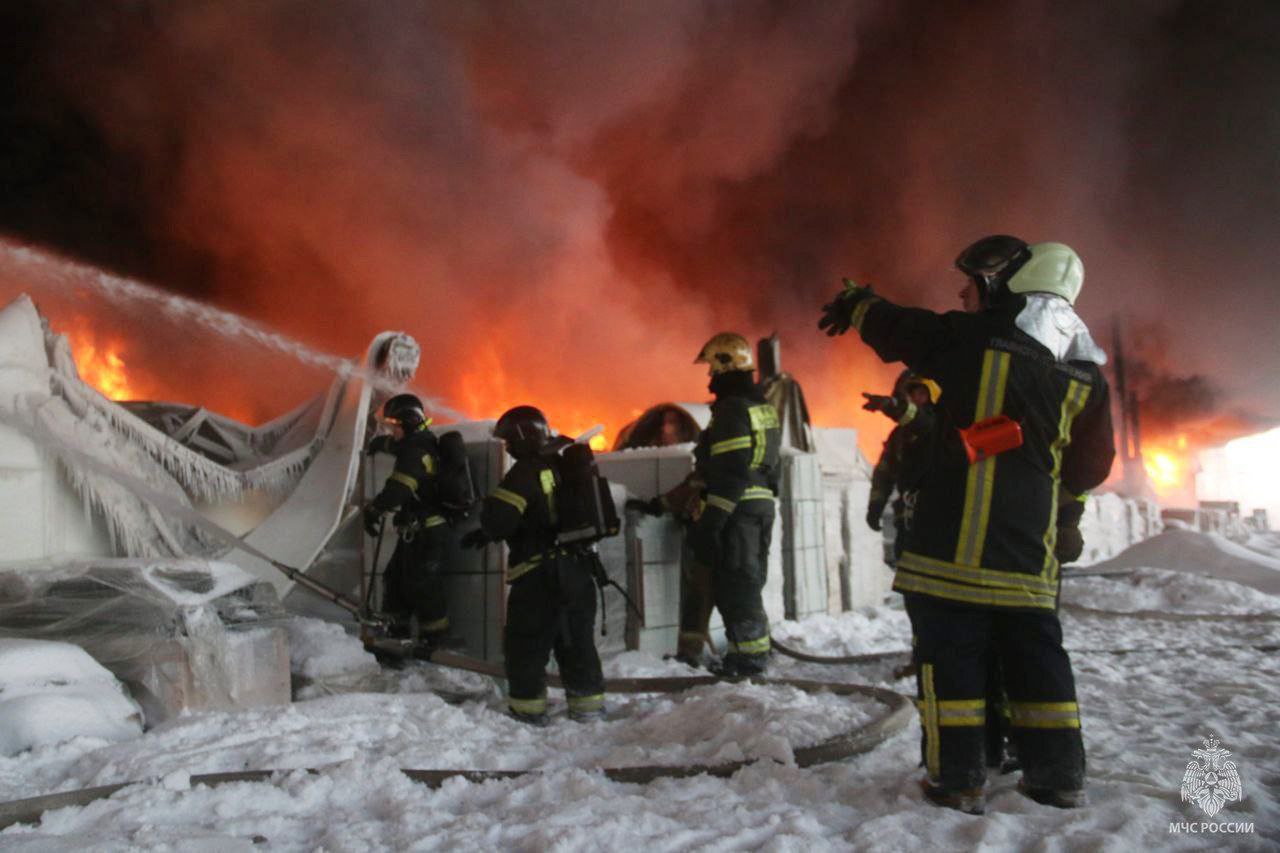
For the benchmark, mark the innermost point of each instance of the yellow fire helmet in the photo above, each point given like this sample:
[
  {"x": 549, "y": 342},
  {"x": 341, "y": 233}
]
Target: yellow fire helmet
[
  {"x": 1052, "y": 268},
  {"x": 934, "y": 389},
  {"x": 725, "y": 352}
]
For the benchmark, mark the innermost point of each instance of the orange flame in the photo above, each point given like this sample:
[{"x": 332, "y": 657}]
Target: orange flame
[
  {"x": 102, "y": 366},
  {"x": 1164, "y": 469},
  {"x": 1171, "y": 468}
]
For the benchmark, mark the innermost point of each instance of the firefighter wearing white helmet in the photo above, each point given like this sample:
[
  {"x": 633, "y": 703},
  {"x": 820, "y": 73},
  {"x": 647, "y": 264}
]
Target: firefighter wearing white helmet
[
  {"x": 1025, "y": 432},
  {"x": 737, "y": 458}
]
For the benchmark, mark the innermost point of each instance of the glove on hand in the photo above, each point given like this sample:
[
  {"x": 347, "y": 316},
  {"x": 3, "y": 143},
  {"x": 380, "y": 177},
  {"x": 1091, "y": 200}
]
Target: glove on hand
[
  {"x": 373, "y": 521},
  {"x": 650, "y": 507},
  {"x": 1070, "y": 545},
  {"x": 891, "y": 406},
  {"x": 474, "y": 539},
  {"x": 837, "y": 315},
  {"x": 379, "y": 444},
  {"x": 874, "y": 515}
]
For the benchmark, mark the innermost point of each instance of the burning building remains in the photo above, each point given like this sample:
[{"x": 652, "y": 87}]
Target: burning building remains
[{"x": 172, "y": 542}]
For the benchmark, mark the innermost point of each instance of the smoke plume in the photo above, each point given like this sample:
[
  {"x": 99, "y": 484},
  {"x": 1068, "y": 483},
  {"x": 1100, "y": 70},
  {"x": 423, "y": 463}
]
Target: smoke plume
[{"x": 562, "y": 200}]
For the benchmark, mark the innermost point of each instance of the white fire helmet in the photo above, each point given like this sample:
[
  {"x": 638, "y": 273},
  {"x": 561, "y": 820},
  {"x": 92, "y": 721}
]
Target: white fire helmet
[{"x": 1052, "y": 268}]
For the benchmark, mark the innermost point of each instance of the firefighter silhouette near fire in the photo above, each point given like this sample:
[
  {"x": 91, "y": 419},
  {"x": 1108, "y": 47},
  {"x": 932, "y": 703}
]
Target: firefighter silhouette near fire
[
  {"x": 549, "y": 509},
  {"x": 1003, "y": 427},
  {"x": 1025, "y": 433},
  {"x": 428, "y": 492}
]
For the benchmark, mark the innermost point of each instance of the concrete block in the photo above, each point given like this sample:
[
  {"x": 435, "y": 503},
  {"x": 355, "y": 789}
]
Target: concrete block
[
  {"x": 672, "y": 469},
  {"x": 637, "y": 473}
]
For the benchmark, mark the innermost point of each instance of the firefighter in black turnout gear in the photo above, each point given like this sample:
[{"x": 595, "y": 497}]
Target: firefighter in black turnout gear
[
  {"x": 551, "y": 606},
  {"x": 1026, "y": 433},
  {"x": 413, "y": 587},
  {"x": 738, "y": 456},
  {"x": 906, "y": 453}
]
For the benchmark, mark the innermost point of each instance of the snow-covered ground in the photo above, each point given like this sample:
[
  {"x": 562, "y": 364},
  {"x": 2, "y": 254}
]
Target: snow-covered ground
[{"x": 1150, "y": 691}]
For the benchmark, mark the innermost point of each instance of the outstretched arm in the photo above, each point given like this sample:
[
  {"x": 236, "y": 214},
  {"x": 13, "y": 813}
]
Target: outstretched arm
[{"x": 896, "y": 333}]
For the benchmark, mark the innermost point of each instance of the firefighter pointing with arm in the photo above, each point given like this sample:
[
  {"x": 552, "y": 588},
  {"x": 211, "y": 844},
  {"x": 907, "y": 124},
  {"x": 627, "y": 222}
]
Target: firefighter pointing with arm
[
  {"x": 738, "y": 456},
  {"x": 1027, "y": 432},
  {"x": 551, "y": 606},
  {"x": 907, "y": 451}
]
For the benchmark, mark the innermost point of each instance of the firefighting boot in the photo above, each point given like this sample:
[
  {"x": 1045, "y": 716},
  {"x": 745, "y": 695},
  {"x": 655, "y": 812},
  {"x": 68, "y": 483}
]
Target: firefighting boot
[
  {"x": 970, "y": 800},
  {"x": 689, "y": 647},
  {"x": 1051, "y": 797},
  {"x": 539, "y": 720},
  {"x": 739, "y": 665}
]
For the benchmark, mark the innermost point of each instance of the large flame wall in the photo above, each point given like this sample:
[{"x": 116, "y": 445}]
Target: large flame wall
[{"x": 562, "y": 200}]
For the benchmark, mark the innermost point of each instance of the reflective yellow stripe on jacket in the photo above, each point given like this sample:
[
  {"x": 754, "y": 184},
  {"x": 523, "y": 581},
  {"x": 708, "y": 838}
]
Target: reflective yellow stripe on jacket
[{"x": 982, "y": 474}]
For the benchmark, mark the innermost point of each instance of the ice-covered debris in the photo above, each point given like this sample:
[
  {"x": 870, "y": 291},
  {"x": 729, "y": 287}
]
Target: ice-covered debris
[
  {"x": 51, "y": 692},
  {"x": 857, "y": 632},
  {"x": 1205, "y": 554},
  {"x": 1165, "y": 591},
  {"x": 396, "y": 356},
  {"x": 320, "y": 649}
]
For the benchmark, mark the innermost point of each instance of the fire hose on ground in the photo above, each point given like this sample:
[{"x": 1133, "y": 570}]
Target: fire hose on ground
[{"x": 898, "y": 714}]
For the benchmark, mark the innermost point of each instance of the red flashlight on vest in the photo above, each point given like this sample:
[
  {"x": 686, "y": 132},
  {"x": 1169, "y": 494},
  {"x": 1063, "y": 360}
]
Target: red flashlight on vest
[{"x": 989, "y": 437}]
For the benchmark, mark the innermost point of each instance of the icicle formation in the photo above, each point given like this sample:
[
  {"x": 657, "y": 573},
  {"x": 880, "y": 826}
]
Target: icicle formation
[
  {"x": 391, "y": 362},
  {"x": 397, "y": 356},
  {"x": 199, "y": 475}
]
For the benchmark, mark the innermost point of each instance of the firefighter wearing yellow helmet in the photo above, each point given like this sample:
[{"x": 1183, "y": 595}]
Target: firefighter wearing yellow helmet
[
  {"x": 1025, "y": 433},
  {"x": 737, "y": 457},
  {"x": 907, "y": 451}
]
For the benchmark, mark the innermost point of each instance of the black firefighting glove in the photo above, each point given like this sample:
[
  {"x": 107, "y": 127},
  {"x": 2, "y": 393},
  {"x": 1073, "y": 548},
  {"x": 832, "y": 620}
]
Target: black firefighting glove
[
  {"x": 373, "y": 521},
  {"x": 891, "y": 406},
  {"x": 704, "y": 537},
  {"x": 379, "y": 444},
  {"x": 1070, "y": 545},
  {"x": 875, "y": 512},
  {"x": 837, "y": 315},
  {"x": 653, "y": 506},
  {"x": 474, "y": 539}
]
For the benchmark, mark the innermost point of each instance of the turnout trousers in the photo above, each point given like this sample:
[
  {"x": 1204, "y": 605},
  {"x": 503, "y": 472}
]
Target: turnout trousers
[
  {"x": 696, "y": 602},
  {"x": 413, "y": 584},
  {"x": 954, "y": 646},
  {"x": 552, "y": 609},
  {"x": 738, "y": 576}
]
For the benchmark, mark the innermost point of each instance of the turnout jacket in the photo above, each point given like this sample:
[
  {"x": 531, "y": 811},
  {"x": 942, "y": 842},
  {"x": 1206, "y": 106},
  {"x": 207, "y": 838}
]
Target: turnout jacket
[
  {"x": 522, "y": 511},
  {"x": 737, "y": 454},
  {"x": 906, "y": 455},
  {"x": 983, "y": 534},
  {"x": 411, "y": 488}
]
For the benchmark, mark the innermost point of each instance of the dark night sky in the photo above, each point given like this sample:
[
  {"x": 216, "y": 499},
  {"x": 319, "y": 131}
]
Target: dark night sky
[{"x": 530, "y": 186}]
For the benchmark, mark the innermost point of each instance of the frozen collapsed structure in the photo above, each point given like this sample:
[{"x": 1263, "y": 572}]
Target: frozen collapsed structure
[
  {"x": 120, "y": 521},
  {"x": 147, "y": 532}
]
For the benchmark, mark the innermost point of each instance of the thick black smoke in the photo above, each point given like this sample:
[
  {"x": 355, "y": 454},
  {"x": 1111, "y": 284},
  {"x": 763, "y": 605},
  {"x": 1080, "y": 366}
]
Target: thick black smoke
[{"x": 574, "y": 194}]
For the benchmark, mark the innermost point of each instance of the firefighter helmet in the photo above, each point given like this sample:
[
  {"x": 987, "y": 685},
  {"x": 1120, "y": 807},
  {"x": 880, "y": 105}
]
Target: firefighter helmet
[
  {"x": 524, "y": 429},
  {"x": 908, "y": 378},
  {"x": 725, "y": 352},
  {"x": 405, "y": 411},
  {"x": 1052, "y": 268},
  {"x": 991, "y": 262},
  {"x": 934, "y": 389}
]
